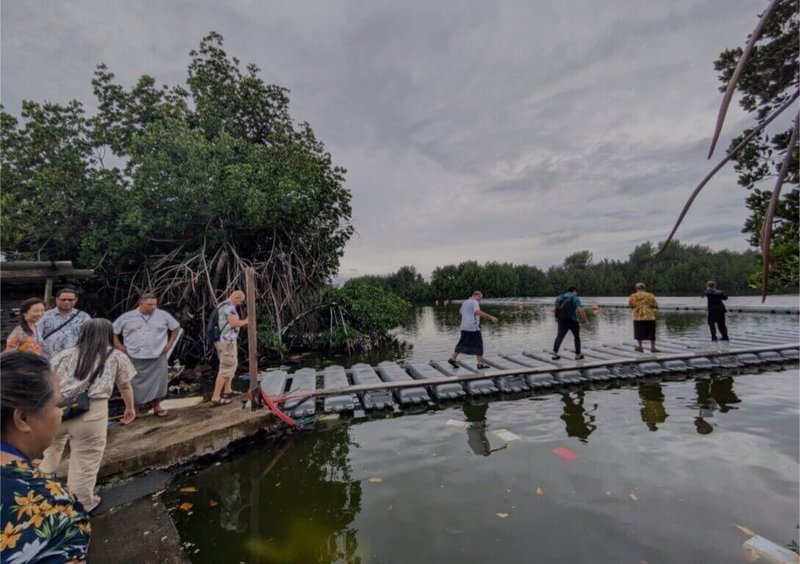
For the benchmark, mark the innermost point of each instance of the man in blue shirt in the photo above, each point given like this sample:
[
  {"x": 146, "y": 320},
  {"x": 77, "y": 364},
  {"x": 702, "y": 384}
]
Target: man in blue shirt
[{"x": 568, "y": 307}]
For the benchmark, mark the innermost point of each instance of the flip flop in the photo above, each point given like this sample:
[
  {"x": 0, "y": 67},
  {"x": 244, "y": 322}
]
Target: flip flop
[
  {"x": 231, "y": 395},
  {"x": 95, "y": 503},
  {"x": 160, "y": 413},
  {"x": 482, "y": 366},
  {"x": 452, "y": 363},
  {"x": 220, "y": 402}
]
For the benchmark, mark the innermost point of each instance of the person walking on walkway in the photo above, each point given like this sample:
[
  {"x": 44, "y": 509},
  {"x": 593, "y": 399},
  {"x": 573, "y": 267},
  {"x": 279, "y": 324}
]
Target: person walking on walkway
[
  {"x": 147, "y": 336},
  {"x": 61, "y": 325},
  {"x": 94, "y": 366},
  {"x": 568, "y": 307},
  {"x": 716, "y": 311},
  {"x": 27, "y": 335},
  {"x": 227, "y": 347},
  {"x": 644, "y": 305},
  {"x": 471, "y": 342}
]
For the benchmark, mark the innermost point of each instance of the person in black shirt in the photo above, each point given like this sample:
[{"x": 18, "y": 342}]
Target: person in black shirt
[{"x": 716, "y": 310}]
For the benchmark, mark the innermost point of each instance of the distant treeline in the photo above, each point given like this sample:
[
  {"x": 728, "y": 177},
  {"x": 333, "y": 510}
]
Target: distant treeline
[{"x": 680, "y": 270}]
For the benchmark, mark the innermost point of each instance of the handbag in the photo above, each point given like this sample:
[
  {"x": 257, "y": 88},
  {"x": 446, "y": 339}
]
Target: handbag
[{"x": 78, "y": 403}]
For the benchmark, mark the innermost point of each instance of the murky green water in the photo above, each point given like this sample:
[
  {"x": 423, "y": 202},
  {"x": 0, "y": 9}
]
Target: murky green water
[{"x": 664, "y": 471}]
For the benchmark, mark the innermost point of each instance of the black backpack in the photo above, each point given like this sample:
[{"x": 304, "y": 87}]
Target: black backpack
[
  {"x": 565, "y": 308},
  {"x": 213, "y": 332}
]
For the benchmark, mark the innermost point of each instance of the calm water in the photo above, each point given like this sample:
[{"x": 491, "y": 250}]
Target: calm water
[{"x": 664, "y": 471}]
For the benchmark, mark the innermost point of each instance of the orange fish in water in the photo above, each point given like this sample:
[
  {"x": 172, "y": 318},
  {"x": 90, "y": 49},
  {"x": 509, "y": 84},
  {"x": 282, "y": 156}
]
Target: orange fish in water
[{"x": 565, "y": 453}]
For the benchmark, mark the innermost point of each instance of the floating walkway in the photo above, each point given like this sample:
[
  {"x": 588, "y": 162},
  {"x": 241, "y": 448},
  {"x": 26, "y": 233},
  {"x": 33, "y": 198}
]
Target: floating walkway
[
  {"x": 394, "y": 387},
  {"x": 782, "y": 305}
]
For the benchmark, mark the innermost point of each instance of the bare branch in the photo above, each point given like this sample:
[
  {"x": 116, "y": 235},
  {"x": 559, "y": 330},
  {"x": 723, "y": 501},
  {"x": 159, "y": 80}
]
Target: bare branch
[
  {"x": 766, "y": 235},
  {"x": 737, "y": 73}
]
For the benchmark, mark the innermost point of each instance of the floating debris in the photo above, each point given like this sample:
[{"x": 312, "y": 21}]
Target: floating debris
[
  {"x": 375, "y": 480},
  {"x": 185, "y": 506},
  {"x": 505, "y": 435},
  {"x": 191, "y": 489},
  {"x": 502, "y": 515},
  {"x": 539, "y": 491}
]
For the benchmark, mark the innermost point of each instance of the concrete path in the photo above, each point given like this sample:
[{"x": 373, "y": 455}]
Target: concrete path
[{"x": 151, "y": 442}]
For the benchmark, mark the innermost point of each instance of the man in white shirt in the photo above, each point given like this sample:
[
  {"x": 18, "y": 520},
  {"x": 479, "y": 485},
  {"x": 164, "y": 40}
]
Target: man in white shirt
[
  {"x": 471, "y": 341},
  {"x": 147, "y": 336}
]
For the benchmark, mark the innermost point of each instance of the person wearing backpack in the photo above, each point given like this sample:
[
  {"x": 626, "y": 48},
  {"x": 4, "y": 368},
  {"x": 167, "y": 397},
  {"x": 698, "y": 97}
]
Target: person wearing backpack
[
  {"x": 225, "y": 336},
  {"x": 567, "y": 309}
]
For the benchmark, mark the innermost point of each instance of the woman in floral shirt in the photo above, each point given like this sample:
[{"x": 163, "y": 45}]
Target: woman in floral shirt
[
  {"x": 40, "y": 519},
  {"x": 25, "y": 336},
  {"x": 644, "y": 305}
]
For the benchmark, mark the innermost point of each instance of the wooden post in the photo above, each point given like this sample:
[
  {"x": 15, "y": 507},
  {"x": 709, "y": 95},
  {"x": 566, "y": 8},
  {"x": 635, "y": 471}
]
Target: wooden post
[
  {"x": 252, "y": 337},
  {"x": 48, "y": 292}
]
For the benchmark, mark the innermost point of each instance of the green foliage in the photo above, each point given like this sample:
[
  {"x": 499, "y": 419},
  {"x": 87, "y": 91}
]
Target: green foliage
[
  {"x": 178, "y": 189},
  {"x": 769, "y": 79},
  {"x": 680, "y": 270},
  {"x": 371, "y": 309}
]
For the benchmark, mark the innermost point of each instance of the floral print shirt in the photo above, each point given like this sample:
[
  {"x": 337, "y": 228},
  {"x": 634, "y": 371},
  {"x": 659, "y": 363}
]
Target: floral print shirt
[
  {"x": 643, "y": 304},
  {"x": 19, "y": 340},
  {"x": 118, "y": 369},
  {"x": 226, "y": 332},
  {"x": 41, "y": 520}
]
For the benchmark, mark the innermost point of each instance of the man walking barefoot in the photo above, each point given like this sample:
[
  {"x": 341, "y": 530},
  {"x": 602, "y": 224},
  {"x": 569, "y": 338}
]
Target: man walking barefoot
[{"x": 471, "y": 341}]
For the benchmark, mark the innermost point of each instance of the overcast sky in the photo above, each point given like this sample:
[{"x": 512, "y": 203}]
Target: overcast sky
[{"x": 513, "y": 131}]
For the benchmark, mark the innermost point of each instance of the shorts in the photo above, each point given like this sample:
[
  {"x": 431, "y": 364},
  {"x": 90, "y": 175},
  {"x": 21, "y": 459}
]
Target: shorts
[{"x": 228, "y": 354}]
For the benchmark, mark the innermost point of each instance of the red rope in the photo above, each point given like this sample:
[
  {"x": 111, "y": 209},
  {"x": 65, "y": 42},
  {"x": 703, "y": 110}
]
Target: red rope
[{"x": 273, "y": 407}]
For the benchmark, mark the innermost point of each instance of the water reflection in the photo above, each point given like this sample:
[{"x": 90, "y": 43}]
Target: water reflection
[
  {"x": 477, "y": 439},
  {"x": 290, "y": 502},
  {"x": 580, "y": 423},
  {"x": 652, "y": 400},
  {"x": 713, "y": 394}
]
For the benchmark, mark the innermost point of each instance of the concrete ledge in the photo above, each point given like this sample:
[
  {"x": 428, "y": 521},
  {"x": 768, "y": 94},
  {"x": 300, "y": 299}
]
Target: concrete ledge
[{"x": 184, "y": 434}]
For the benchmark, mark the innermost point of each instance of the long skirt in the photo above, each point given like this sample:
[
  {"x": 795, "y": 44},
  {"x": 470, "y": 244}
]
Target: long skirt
[
  {"x": 470, "y": 342},
  {"x": 150, "y": 382},
  {"x": 644, "y": 330}
]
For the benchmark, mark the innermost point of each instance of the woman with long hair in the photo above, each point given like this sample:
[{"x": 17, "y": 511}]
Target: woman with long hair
[
  {"x": 25, "y": 336},
  {"x": 40, "y": 519},
  {"x": 93, "y": 364}
]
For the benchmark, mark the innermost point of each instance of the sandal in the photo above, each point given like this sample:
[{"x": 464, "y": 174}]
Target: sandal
[
  {"x": 95, "y": 503},
  {"x": 555, "y": 356},
  {"x": 231, "y": 395},
  {"x": 579, "y": 357},
  {"x": 654, "y": 350},
  {"x": 638, "y": 349},
  {"x": 220, "y": 402},
  {"x": 483, "y": 366},
  {"x": 452, "y": 363},
  {"x": 160, "y": 413}
]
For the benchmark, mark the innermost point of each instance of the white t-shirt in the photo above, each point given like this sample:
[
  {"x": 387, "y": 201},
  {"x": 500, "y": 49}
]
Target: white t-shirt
[
  {"x": 145, "y": 336},
  {"x": 470, "y": 321}
]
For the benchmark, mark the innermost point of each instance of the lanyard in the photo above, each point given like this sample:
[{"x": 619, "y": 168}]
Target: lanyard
[{"x": 9, "y": 449}]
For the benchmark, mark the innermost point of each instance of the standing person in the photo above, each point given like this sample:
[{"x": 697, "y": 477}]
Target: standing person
[
  {"x": 471, "y": 341},
  {"x": 568, "y": 307},
  {"x": 644, "y": 305},
  {"x": 61, "y": 325},
  {"x": 716, "y": 310},
  {"x": 27, "y": 336},
  {"x": 93, "y": 364},
  {"x": 227, "y": 347},
  {"x": 147, "y": 335},
  {"x": 41, "y": 520}
]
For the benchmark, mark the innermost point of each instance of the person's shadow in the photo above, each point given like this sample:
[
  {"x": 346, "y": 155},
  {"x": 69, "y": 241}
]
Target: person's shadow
[
  {"x": 579, "y": 422},
  {"x": 477, "y": 440},
  {"x": 713, "y": 395},
  {"x": 653, "y": 411}
]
